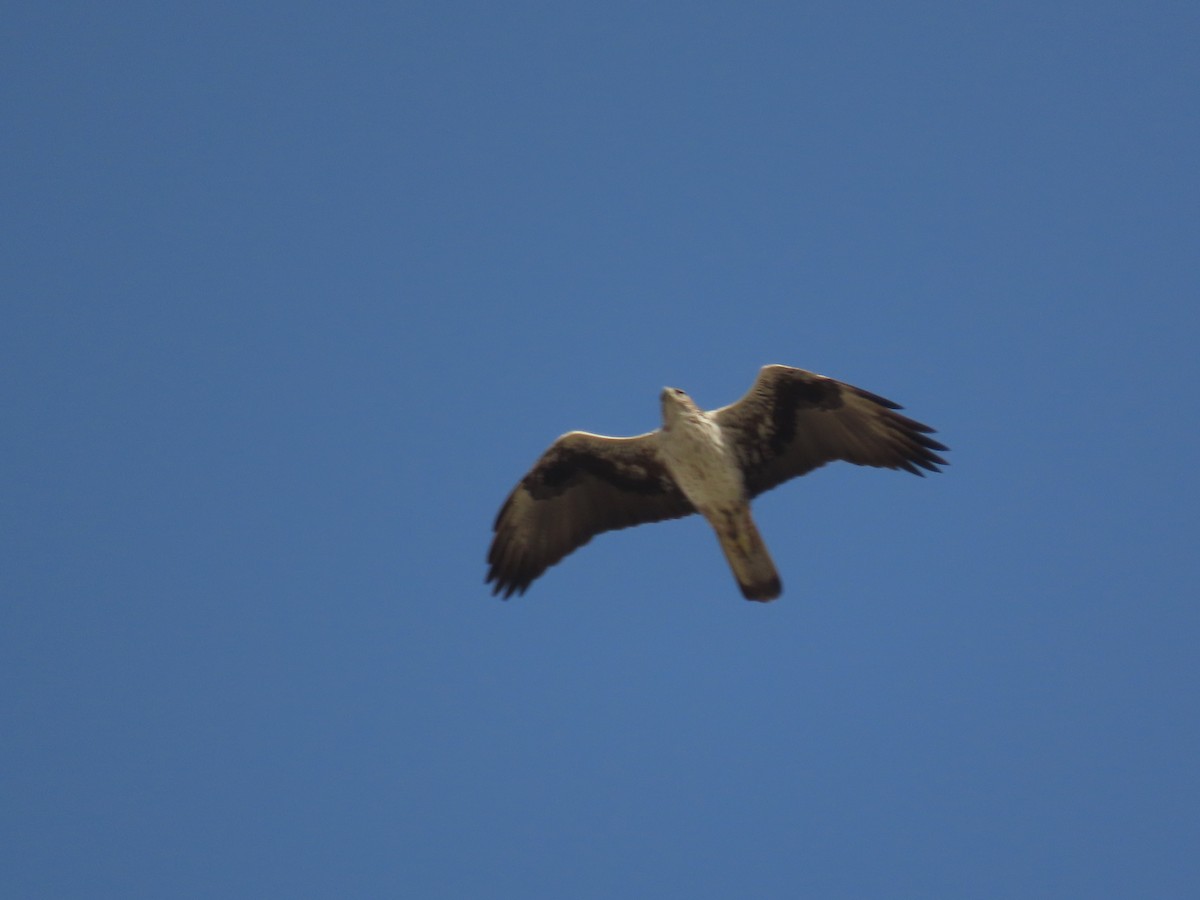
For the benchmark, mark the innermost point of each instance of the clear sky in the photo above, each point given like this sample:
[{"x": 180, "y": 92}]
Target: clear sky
[{"x": 294, "y": 293}]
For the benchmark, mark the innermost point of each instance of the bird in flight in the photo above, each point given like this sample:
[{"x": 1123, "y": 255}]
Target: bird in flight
[{"x": 714, "y": 463}]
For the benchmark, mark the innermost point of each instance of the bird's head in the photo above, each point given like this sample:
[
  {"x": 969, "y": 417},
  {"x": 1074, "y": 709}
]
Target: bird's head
[{"x": 675, "y": 403}]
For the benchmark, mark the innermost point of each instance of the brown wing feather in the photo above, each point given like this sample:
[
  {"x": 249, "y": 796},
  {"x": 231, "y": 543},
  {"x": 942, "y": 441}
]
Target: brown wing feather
[
  {"x": 792, "y": 421},
  {"x": 583, "y": 485}
]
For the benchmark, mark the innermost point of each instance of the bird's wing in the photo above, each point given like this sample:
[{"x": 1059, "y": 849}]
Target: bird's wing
[
  {"x": 583, "y": 485},
  {"x": 792, "y": 421}
]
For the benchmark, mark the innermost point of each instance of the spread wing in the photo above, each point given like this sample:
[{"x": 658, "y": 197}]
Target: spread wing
[
  {"x": 583, "y": 485},
  {"x": 793, "y": 421}
]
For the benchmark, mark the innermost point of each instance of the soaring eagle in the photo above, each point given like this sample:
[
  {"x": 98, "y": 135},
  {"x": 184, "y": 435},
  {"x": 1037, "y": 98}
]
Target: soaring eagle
[{"x": 713, "y": 463}]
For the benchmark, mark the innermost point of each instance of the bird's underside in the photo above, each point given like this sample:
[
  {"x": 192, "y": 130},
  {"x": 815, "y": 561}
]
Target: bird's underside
[{"x": 789, "y": 423}]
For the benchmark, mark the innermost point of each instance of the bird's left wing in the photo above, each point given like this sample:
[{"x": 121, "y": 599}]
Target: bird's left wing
[
  {"x": 792, "y": 421},
  {"x": 583, "y": 485}
]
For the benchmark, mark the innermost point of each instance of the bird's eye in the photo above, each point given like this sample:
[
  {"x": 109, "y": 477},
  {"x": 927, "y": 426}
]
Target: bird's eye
[{"x": 678, "y": 392}]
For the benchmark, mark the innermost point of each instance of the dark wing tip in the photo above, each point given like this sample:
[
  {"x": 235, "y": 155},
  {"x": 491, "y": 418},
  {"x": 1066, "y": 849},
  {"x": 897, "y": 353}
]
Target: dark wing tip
[
  {"x": 504, "y": 588},
  {"x": 922, "y": 450},
  {"x": 505, "y": 584},
  {"x": 874, "y": 398},
  {"x": 509, "y": 576},
  {"x": 915, "y": 449}
]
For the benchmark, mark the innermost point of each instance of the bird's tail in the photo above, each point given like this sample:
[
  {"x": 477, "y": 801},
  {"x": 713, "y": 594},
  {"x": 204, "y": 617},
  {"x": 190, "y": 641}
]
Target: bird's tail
[{"x": 747, "y": 555}]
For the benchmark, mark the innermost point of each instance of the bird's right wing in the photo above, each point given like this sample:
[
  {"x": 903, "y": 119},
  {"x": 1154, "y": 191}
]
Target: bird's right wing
[{"x": 583, "y": 485}]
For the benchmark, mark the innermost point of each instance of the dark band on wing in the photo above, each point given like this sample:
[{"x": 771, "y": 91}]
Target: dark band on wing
[
  {"x": 796, "y": 393},
  {"x": 567, "y": 466}
]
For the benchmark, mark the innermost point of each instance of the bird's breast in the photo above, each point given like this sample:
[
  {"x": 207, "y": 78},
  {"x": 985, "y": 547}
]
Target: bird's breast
[{"x": 703, "y": 464}]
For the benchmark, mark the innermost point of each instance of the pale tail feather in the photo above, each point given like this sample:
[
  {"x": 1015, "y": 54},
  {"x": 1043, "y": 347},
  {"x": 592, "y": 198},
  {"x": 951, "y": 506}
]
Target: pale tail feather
[{"x": 747, "y": 555}]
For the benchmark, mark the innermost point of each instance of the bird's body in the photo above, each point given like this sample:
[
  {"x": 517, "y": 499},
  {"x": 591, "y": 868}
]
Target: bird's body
[
  {"x": 704, "y": 464},
  {"x": 713, "y": 463},
  {"x": 697, "y": 456}
]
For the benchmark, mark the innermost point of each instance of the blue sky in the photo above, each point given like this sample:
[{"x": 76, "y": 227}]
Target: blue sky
[{"x": 294, "y": 294}]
